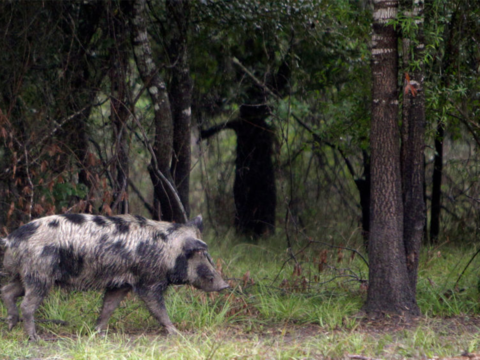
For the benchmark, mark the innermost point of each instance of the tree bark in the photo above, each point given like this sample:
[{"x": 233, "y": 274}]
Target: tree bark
[
  {"x": 364, "y": 189},
  {"x": 413, "y": 143},
  {"x": 119, "y": 112},
  {"x": 437, "y": 185},
  {"x": 165, "y": 205},
  {"x": 450, "y": 50},
  {"x": 389, "y": 289},
  {"x": 254, "y": 186},
  {"x": 180, "y": 95}
]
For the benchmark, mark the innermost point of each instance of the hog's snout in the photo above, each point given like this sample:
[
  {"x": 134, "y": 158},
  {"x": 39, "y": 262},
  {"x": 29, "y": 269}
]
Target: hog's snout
[{"x": 222, "y": 286}]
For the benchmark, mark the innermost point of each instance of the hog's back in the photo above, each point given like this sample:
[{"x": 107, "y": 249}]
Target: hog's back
[{"x": 91, "y": 252}]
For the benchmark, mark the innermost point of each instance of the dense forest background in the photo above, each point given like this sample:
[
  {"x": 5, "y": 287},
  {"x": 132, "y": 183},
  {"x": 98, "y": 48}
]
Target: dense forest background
[{"x": 256, "y": 114}]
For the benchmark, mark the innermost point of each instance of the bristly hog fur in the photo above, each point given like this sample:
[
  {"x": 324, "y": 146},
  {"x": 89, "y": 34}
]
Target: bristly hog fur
[{"x": 116, "y": 253}]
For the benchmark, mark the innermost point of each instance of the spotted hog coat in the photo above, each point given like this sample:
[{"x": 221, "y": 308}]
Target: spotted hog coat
[{"x": 117, "y": 253}]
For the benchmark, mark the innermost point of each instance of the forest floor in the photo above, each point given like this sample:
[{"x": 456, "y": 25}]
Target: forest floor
[
  {"x": 452, "y": 338},
  {"x": 455, "y": 337},
  {"x": 274, "y": 311}
]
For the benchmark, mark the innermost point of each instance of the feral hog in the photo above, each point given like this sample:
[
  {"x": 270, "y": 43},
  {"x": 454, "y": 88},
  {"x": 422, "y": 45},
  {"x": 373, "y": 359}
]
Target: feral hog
[{"x": 111, "y": 253}]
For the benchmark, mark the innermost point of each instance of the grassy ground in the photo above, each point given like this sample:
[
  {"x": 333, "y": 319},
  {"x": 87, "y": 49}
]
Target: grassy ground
[{"x": 277, "y": 310}]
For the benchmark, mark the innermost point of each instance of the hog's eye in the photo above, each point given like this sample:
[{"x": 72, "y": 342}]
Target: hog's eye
[{"x": 209, "y": 258}]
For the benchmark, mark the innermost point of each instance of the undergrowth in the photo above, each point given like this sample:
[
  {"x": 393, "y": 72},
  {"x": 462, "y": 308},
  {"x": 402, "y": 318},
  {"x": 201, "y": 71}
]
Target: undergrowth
[{"x": 282, "y": 305}]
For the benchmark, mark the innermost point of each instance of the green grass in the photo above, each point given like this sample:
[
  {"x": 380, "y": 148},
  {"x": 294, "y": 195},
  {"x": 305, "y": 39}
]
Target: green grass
[{"x": 273, "y": 311}]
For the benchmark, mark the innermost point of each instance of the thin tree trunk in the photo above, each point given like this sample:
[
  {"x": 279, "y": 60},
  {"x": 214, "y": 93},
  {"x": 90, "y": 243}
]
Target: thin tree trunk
[
  {"x": 364, "y": 190},
  {"x": 389, "y": 289},
  {"x": 437, "y": 185},
  {"x": 119, "y": 113},
  {"x": 180, "y": 91},
  {"x": 448, "y": 62},
  {"x": 413, "y": 143},
  {"x": 171, "y": 210}
]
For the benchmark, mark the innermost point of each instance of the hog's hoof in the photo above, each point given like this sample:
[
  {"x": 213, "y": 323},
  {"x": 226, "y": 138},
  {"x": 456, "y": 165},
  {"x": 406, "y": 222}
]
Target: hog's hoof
[
  {"x": 12, "y": 321},
  {"x": 33, "y": 338},
  {"x": 102, "y": 333},
  {"x": 172, "y": 330}
]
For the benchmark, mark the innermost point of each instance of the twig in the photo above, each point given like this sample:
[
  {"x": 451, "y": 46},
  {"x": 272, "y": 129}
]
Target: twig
[
  {"x": 463, "y": 272},
  {"x": 343, "y": 248},
  {"x": 52, "y": 321},
  {"x": 157, "y": 172},
  {"x": 254, "y": 78},
  {"x": 361, "y": 357},
  {"x": 30, "y": 183},
  {"x": 55, "y": 129},
  {"x": 140, "y": 196}
]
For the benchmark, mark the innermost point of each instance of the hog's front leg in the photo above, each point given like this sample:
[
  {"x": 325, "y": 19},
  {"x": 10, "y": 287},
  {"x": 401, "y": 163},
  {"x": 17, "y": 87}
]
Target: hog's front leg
[
  {"x": 156, "y": 305},
  {"x": 30, "y": 304},
  {"x": 10, "y": 294},
  {"x": 111, "y": 300}
]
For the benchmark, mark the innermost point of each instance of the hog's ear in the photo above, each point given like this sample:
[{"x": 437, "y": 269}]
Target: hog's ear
[
  {"x": 192, "y": 244},
  {"x": 197, "y": 222}
]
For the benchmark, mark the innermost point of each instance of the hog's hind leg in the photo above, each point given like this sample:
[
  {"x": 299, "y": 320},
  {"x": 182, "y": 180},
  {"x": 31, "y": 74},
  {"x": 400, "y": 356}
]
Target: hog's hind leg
[
  {"x": 111, "y": 300},
  {"x": 10, "y": 293},
  {"x": 35, "y": 291},
  {"x": 156, "y": 305}
]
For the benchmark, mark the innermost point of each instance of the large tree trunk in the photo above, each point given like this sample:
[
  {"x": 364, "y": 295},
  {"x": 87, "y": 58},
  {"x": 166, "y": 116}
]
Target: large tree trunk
[
  {"x": 413, "y": 144},
  {"x": 180, "y": 91},
  {"x": 165, "y": 204},
  {"x": 254, "y": 187},
  {"x": 389, "y": 289}
]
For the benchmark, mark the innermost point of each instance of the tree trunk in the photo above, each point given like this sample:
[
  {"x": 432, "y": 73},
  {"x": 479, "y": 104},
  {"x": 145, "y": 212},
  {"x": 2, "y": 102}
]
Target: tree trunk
[
  {"x": 119, "y": 113},
  {"x": 413, "y": 143},
  {"x": 165, "y": 205},
  {"x": 447, "y": 65},
  {"x": 254, "y": 187},
  {"x": 364, "y": 190},
  {"x": 437, "y": 185},
  {"x": 81, "y": 82},
  {"x": 389, "y": 289},
  {"x": 180, "y": 95}
]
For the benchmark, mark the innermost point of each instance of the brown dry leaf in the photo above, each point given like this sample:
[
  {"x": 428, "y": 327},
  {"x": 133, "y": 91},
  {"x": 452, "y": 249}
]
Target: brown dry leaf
[
  {"x": 91, "y": 160},
  {"x": 107, "y": 209},
  {"x": 219, "y": 267},
  {"x": 38, "y": 209},
  {"x": 43, "y": 166},
  {"x": 10, "y": 211},
  {"x": 51, "y": 210},
  {"x": 297, "y": 270},
  {"x": 246, "y": 277},
  {"x": 323, "y": 256}
]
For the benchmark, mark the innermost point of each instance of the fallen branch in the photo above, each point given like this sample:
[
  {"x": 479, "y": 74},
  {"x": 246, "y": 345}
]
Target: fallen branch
[
  {"x": 361, "y": 357},
  {"x": 44, "y": 321}
]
